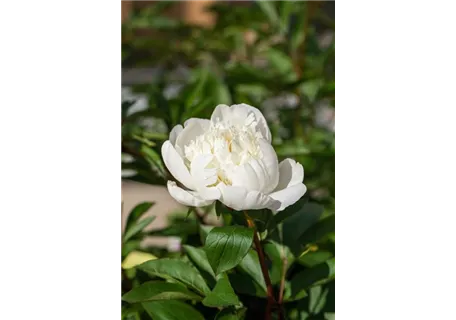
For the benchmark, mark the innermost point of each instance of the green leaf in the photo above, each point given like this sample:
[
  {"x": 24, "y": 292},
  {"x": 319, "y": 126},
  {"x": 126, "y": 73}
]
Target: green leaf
[
  {"x": 270, "y": 11},
  {"x": 264, "y": 219},
  {"x": 204, "y": 231},
  {"x": 194, "y": 91},
  {"x": 282, "y": 64},
  {"x": 298, "y": 223},
  {"x": 130, "y": 246},
  {"x": 286, "y": 8},
  {"x": 157, "y": 290},
  {"x": 199, "y": 258},
  {"x": 180, "y": 229},
  {"x": 178, "y": 270},
  {"x": 222, "y": 94},
  {"x": 277, "y": 253},
  {"x": 138, "y": 227},
  {"x": 220, "y": 208},
  {"x": 317, "y": 299},
  {"x": 290, "y": 211},
  {"x": 313, "y": 276},
  {"x": 242, "y": 73},
  {"x": 189, "y": 211},
  {"x": 244, "y": 284},
  {"x": 154, "y": 159},
  {"x": 330, "y": 305},
  {"x": 297, "y": 33},
  {"x": 311, "y": 259},
  {"x": 226, "y": 246},
  {"x": 295, "y": 295},
  {"x": 222, "y": 295},
  {"x": 137, "y": 212},
  {"x": 171, "y": 310},
  {"x": 251, "y": 265},
  {"x": 319, "y": 230},
  {"x": 198, "y": 109},
  {"x": 130, "y": 315},
  {"x": 231, "y": 314}
]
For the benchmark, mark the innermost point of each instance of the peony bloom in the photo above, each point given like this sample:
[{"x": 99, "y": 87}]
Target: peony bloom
[{"x": 230, "y": 158}]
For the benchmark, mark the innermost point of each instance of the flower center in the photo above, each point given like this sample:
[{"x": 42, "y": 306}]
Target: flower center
[{"x": 230, "y": 145}]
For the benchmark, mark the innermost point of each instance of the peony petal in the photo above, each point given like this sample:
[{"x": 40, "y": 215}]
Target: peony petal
[
  {"x": 175, "y": 165},
  {"x": 270, "y": 165},
  {"x": 238, "y": 113},
  {"x": 203, "y": 177},
  {"x": 246, "y": 176},
  {"x": 188, "y": 198},
  {"x": 290, "y": 174},
  {"x": 204, "y": 123},
  {"x": 193, "y": 127},
  {"x": 239, "y": 198},
  {"x": 258, "y": 174},
  {"x": 175, "y": 132},
  {"x": 289, "y": 196},
  {"x": 221, "y": 112}
]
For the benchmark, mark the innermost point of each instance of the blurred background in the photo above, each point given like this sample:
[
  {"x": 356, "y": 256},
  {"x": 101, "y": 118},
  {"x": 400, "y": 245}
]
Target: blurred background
[{"x": 181, "y": 59}]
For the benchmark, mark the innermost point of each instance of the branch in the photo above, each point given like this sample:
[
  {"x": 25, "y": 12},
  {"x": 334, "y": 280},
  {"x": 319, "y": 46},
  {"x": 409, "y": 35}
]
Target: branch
[
  {"x": 282, "y": 282},
  {"x": 264, "y": 269}
]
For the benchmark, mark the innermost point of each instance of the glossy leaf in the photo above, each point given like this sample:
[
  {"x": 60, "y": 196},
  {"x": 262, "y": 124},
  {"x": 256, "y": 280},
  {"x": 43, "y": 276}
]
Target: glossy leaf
[
  {"x": 204, "y": 231},
  {"x": 290, "y": 211},
  {"x": 319, "y": 230},
  {"x": 136, "y": 258},
  {"x": 178, "y": 270},
  {"x": 226, "y": 246},
  {"x": 244, "y": 284},
  {"x": 155, "y": 290},
  {"x": 295, "y": 295},
  {"x": 277, "y": 254},
  {"x": 130, "y": 315},
  {"x": 136, "y": 213},
  {"x": 298, "y": 223},
  {"x": 222, "y": 295},
  {"x": 130, "y": 246},
  {"x": 154, "y": 159},
  {"x": 199, "y": 259},
  {"x": 311, "y": 259},
  {"x": 138, "y": 227},
  {"x": 171, "y": 310},
  {"x": 313, "y": 276},
  {"x": 231, "y": 314},
  {"x": 250, "y": 265}
]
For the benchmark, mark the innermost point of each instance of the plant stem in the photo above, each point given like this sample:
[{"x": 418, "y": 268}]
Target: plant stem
[
  {"x": 282, "y": 280},
  {"x": 264, "y": 269}
]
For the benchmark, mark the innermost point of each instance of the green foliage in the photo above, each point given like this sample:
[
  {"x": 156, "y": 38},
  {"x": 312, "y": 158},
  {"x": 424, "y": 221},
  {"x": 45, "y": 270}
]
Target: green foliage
[
  {"x": 154, "y": 290},
  {"x": 222, "y": 295},
  {"x": 177, "y": 270},
  {"x": 273, "y": 56},
  {"x": 226, "y": 246}
]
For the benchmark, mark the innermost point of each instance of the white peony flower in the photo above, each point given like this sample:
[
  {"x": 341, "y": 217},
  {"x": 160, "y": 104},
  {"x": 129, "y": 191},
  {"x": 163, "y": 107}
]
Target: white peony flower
[{"x": 230, "y": 158}]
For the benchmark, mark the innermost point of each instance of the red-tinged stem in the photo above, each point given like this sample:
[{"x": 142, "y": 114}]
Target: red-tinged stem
[{"x": 264, "y": 269}]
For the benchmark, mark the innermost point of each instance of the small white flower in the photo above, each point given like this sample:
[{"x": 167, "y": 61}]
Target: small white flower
[{"x": 230, "y": 158}]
